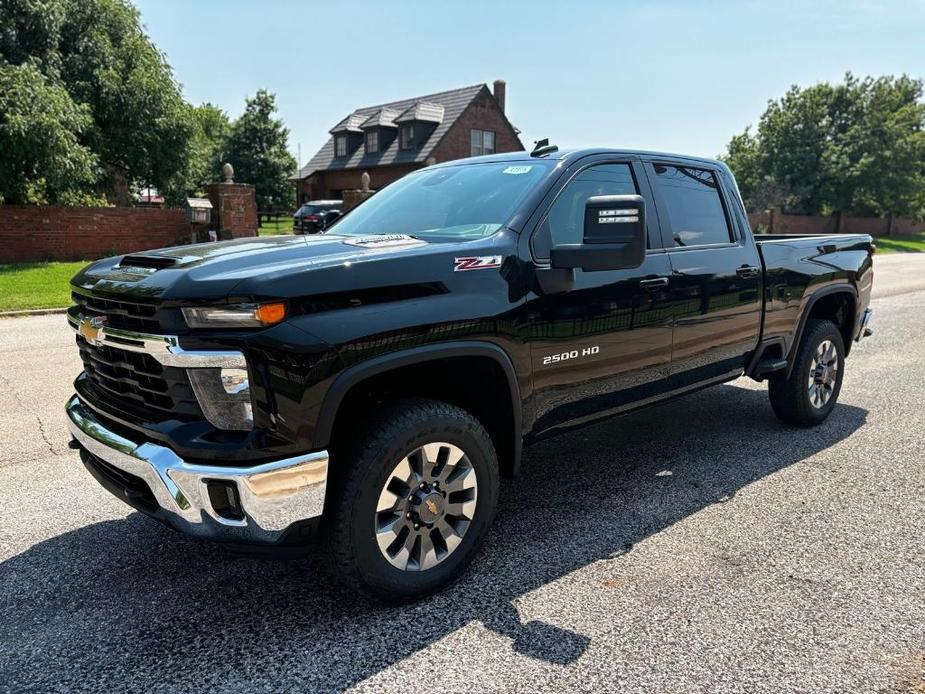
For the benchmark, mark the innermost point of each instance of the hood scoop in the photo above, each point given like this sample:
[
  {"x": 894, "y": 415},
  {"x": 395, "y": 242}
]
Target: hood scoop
[{"x": 147, "y": 262}]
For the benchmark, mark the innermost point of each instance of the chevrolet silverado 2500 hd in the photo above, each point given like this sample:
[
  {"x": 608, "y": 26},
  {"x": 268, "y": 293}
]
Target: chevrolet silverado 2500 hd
[{"x": 369, "y": 385}]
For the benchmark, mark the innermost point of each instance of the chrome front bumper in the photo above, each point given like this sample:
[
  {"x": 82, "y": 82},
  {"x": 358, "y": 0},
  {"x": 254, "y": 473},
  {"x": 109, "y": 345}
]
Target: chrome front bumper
[{"x": 272, "y": 496}]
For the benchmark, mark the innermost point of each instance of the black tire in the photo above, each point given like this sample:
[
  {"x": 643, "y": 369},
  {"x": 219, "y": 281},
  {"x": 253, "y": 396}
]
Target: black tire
[
  {"x": 791, "y": 398},
  {"x": 400, "y": 428}
]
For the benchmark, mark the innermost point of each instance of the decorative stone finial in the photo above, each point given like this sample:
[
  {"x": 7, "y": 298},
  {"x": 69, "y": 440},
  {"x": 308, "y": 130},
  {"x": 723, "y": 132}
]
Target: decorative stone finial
[
  {"x": 228, "y": 173},
  {"x": 364, "y": 181}
]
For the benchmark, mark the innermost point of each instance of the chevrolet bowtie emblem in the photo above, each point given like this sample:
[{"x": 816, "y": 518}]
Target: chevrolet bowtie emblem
[
  {"x": 431, "y": 506},
  {"x": 91, "y": 328}
]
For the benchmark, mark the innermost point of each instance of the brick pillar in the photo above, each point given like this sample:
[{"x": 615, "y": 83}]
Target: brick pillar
[
  {"x": 234, "y": 209},
  {"x": 352, "y": 198}
]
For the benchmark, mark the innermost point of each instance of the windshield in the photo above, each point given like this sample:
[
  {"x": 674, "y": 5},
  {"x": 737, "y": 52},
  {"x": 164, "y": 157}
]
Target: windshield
[{"x": 459, "y": 202}]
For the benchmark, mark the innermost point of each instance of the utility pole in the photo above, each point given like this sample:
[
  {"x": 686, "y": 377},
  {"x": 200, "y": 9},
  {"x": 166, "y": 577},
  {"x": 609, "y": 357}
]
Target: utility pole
[{"x": 298, "y": 167}]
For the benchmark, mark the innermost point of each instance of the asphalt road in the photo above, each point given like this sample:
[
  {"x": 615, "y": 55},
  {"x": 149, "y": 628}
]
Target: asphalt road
[{"x": 699, "y": 546}]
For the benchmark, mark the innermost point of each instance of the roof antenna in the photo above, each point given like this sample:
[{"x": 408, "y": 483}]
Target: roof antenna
[{"x": 542, "y": 147}]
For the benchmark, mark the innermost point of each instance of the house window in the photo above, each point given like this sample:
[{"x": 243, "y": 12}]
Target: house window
[
  {"x": 372, "y": 141},
  {"x": 407, "y": 137},
  {"x": 340, "y": 146},
  {"x": 483, "y": 142}
]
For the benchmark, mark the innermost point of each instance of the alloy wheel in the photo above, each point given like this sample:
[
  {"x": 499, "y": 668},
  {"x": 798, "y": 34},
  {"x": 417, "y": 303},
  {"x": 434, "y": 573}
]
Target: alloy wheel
[
  {"x": 426, "y": 506},
  {"x": 823, "y": 374}
]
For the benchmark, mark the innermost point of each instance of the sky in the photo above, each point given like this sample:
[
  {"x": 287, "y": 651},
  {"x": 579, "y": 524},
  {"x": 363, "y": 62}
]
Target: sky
[{"x": 663, "y": 75}]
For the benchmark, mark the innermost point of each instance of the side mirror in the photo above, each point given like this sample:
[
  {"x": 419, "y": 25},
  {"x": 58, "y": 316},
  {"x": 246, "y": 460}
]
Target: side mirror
[{"x": 614, "y": 236}]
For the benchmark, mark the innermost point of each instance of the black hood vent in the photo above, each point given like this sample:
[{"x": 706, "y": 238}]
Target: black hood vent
[{"x": 154, "y": 262}]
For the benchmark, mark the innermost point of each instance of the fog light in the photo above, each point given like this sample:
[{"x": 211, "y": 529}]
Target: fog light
[
  {"x": 224, "y": 396},
  {"x": 234, "y": 381},
  {"x": 223, "y": 495}
]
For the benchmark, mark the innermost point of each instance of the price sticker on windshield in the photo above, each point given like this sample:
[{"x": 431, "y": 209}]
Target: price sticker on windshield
[{"x": 516, "y": 170}]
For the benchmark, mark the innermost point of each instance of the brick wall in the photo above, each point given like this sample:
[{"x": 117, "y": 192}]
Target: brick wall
[
  {"x": 29, "y": 233},
  {"x": 776, "y": 223}
]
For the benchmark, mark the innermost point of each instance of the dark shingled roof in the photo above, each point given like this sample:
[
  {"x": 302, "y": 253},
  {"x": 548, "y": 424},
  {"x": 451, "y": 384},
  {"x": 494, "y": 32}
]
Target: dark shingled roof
[
  {"x": 422, "y": 111},
  {"x": 453, "y": 103},
  {"x": 384, "y": 118}
]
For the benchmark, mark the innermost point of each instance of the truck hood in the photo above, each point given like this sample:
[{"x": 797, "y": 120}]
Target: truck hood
[{"x": 281, "y": 267}]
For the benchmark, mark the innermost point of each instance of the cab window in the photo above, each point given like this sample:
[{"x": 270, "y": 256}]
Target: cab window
[{"x": 565, "y": 222}]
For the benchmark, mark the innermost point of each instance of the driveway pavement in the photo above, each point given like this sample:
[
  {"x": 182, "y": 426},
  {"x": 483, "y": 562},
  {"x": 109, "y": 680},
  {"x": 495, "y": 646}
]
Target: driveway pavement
[{"x": 699, "y": 546}]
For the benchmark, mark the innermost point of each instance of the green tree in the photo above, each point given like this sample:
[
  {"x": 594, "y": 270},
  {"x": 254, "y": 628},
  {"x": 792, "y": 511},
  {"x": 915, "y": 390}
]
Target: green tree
[
  {"x": 42, "y": 158},
  {"x": 853, "y": 147},
  {"x": 97, "y": 53},
  {"x": 257, "y": 148},
  {"x": 210, "y": 128}
]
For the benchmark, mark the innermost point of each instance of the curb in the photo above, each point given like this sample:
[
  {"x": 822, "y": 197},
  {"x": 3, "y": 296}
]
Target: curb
[{"x": 31, "y": 312}]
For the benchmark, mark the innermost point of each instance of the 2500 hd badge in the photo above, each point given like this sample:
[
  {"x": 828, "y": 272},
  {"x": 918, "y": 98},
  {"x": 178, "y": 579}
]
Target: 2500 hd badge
[
  {"x": 573, "y": 354},
  {"x": 363, "y": 387}
]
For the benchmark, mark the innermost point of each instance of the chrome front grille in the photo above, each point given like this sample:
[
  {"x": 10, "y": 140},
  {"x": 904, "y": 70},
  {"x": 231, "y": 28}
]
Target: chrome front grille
[
  {"x": 119, "y": 366},
  {"x": 125, "y": 315},
  {"x": 138, "y": 382}
]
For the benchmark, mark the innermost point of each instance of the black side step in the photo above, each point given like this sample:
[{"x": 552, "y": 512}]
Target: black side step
[{"x": 768, "y": 366}]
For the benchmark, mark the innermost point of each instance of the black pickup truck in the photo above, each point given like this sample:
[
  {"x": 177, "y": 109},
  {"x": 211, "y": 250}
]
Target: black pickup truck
[{"x": 369, "y": 386}]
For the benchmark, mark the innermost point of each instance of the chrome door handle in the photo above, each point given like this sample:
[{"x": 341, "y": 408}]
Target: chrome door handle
[
  {"x": 655, "y": 283},
  {"x": 748, "y": 271}
]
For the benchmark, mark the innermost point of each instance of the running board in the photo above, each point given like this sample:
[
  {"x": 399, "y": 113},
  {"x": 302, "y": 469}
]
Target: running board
[{"x": 769, "y": 366}]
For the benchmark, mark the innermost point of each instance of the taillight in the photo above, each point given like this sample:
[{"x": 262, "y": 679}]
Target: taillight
[{"x": 311, "y": 218}]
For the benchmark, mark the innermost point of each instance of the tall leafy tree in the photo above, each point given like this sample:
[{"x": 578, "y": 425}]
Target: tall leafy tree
[
  {"x": 257, "y": 148},
  {"x": 41, "y": 157},
  {"x": 210, "y": 128},
  {"x": 853, "y": 147},
  {"x": 96, "y": 54}
]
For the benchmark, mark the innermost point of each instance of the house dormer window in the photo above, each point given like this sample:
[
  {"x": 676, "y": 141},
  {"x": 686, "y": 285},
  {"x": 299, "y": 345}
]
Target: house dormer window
[
  {"x": 407, "y": 136},
  {"x": 340, "y": 146},
  {"x": 483, "y": 142},
  {"x": 372, "y": 141}
]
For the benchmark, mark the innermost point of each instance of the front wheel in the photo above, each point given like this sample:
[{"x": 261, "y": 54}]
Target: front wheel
[
  {"x": 417, "y": 499},
  {"x": 808, "y": 396}
]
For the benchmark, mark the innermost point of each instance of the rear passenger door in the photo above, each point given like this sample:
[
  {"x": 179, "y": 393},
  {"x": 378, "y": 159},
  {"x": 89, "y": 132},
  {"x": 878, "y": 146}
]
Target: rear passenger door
[{"x": 716, "y": 273}]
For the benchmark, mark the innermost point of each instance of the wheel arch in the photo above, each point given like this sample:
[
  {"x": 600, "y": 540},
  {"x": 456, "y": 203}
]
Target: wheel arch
[
  {"x": 827, "y": 303},
  {"x": 507, "y": 433}
]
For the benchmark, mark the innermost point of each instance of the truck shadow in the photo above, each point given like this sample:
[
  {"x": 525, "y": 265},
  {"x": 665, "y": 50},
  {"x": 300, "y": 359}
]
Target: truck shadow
[{"x": 130, "y": 604}]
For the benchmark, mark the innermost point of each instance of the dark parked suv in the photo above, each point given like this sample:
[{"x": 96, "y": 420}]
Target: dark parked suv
[{"x": 316, "y": 216}]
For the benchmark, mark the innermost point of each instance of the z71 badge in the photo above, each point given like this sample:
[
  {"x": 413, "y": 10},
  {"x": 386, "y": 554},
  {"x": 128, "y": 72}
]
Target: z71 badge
[{"x": 477, "y": 262}]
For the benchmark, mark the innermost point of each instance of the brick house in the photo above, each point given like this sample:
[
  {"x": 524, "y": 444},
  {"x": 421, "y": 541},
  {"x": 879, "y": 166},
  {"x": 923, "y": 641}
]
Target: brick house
[{"x": 389, "y": 140}]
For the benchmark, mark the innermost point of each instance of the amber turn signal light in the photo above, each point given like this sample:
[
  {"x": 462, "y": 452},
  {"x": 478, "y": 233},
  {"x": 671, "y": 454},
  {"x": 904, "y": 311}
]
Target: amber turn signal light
[{"x": 270, "y": 314}]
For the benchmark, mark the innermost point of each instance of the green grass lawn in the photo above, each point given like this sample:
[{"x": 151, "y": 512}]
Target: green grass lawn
[
  {"x": 276, "y": 226},
  {"x": 36, "y": 285},
  {"x": 914, "y": 243}
]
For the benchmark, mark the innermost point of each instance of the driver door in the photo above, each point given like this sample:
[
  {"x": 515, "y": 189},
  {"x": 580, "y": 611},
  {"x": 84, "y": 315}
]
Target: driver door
[{"x": 605, "y": 344}]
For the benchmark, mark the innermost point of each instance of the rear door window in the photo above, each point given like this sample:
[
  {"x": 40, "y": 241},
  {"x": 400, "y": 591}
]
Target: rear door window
[{"x": 693, "y": 205}]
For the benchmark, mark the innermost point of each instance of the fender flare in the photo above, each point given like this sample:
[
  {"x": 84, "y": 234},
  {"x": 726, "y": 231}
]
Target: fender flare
[
  {"x": 840, "y": 288},
  {"x": 357, "y": 373}
]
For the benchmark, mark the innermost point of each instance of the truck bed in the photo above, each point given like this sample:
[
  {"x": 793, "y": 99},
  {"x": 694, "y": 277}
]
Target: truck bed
[{"x": 800, "y": 267}]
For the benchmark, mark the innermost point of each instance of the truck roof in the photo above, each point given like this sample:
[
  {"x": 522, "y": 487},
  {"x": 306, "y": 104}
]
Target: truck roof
[{"x": 578, "y": 153}]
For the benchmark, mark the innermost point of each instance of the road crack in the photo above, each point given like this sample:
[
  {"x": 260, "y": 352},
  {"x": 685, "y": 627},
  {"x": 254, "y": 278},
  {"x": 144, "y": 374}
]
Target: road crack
[{"x": 22, "y": 404}]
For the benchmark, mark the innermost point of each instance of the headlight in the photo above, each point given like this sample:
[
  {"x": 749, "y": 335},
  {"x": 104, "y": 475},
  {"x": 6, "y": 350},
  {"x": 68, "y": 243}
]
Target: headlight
[
  {"x": 224, "y": 396},
  {"x": 235, "y": 316}
]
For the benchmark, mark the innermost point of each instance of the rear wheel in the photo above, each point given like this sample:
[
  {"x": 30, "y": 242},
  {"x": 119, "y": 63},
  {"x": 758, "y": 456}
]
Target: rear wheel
[
  {"x": 416, "y": 502},
  {"x": 808, "y": 396}
]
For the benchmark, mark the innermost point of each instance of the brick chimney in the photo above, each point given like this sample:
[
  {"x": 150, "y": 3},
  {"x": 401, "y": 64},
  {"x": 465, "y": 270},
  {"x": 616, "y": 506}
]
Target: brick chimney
[{"x": 499, "y": 93}]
